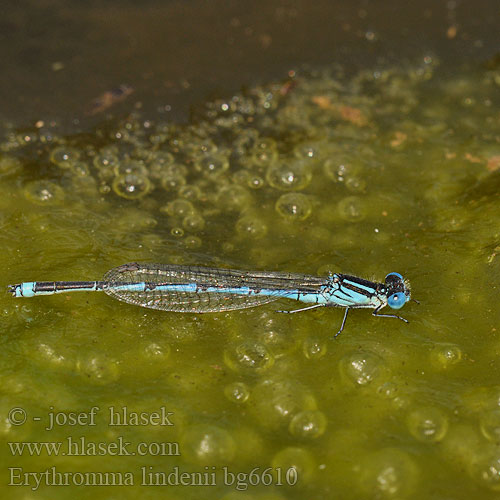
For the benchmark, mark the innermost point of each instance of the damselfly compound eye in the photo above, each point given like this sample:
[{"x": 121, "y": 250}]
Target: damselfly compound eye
[
  {"x": 393, "y": 277},
  {"x": 396, "y": 300}
]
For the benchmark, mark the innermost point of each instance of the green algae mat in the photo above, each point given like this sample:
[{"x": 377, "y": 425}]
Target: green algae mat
[{"x": 394, "y": 169}]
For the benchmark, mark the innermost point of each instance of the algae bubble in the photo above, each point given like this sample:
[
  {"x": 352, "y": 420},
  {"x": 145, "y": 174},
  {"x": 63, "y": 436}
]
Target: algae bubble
[
  {"x": 249, "y": 357},
  {"x": 294, "y": 206},
  {"x": 131, "y": 186},
  {"x": 352, "y": 209},
  {"x": 251, "y": 226},
  {"x": 298, "y": 462},
  {"x": 362, "y": 368},
  {"x": 44, "y": 192},
  {"x": 291, "y": 175},
  {"x": 309, "y": 424},
  {"x": 64, "y": 156},
  {"x": 314, "y": 348},
  {"x": 208, "y": 445},
  {"x": 237, "y": 392},
  {"x": 388, "y": 473},
  {"x": 276, "y": 401},
  {"x": 9, "y": 165},
  {"x": 427, "y": 424}
]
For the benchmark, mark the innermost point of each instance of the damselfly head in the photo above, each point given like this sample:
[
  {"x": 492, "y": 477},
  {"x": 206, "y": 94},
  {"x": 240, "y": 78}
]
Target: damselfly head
[{"x": 397, "y": 290}]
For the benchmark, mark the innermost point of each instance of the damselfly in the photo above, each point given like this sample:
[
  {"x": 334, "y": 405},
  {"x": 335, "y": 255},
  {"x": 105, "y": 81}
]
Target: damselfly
[{"x": 193, "y": 289}]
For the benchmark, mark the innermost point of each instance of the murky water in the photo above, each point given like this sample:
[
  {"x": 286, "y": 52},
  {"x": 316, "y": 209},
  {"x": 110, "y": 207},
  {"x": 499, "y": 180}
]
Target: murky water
[{"x": 389, "y": 169}]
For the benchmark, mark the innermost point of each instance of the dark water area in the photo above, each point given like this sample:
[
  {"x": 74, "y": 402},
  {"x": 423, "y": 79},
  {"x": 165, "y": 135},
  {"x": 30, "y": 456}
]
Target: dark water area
[{"x": 58, "y": 56}]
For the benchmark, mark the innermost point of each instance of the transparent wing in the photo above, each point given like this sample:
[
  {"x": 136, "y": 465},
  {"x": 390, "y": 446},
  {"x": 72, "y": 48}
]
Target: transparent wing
[{"x": 211, "y": 290}]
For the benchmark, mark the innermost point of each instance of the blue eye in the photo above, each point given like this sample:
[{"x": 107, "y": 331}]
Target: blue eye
[
  {"x": 396, "y": 300},
  {"x": 394, "y": 275}
]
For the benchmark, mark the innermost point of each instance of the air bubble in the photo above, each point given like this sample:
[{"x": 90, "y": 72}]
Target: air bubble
[
  {"x": 81, "y": 169},
  {"x": 314, "y": 348},
  {"x": 351, "y": 209},
  {"x": 388, "y": 473},
  {"x": 208, "y": 445},
  {"x": 298, "y": 463},
  {"x": 131, "y": 167},
  {"x": 276, "y": 400},
  {"x": 9, "y": 165},
  {"x": 251, "y": 226},
  {"x": 179, "y": 208},
  {"x": 427, "y": 424},
  {"x": 237, "y": 392},
  {"x": 172, "y": 181},
  {"x": 177, "y": 232},
  {"x": 292, "y": 175},
  {"x": 249, "y": 357},
  {"x": 489, "y": 424},
  {"x": 233, "y": 197},
  {"x": 193, "y": 222},
  {"x": 43, "y": 192},
  {"x": 264, "y": 153},
  {"x": 64, "y": 156},
  {"x": 309, "y": 424},
  {"x": 212, "y": 165},
  {"x": 189, "y": 192},
  {"x": 362, "y": 367},
  {"x": 193, "y": 242},
  {"x": 131, "y": 187},
  {"x": 294, "y": 206}
]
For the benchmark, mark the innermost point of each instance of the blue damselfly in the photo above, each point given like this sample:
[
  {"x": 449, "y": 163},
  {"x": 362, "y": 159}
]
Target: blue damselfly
[{"x": 195, "y": 289}]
